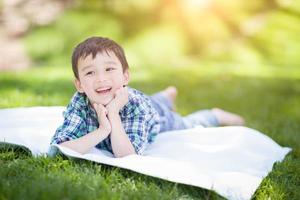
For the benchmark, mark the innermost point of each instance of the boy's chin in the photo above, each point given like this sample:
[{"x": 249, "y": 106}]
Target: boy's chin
[{"x": 104, "y": 102}]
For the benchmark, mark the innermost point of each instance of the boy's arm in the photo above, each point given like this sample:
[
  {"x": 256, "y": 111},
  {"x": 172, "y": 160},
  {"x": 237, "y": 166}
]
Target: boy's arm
[
  {"x": 90, "y": 140},
  {"x": 140, "y": 124},
  {"x": 86, "y": 142},
  {"x": 120, "y": 143}
]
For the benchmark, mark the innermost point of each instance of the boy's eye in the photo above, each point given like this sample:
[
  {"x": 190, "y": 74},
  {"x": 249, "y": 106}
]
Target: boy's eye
[
  {"x": 90, "y": 73},
  {"x": 109, "y": 69}
]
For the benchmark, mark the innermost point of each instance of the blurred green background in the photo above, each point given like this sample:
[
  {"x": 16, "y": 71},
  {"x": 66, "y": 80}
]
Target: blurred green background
[{"x": 260, "y": 38}]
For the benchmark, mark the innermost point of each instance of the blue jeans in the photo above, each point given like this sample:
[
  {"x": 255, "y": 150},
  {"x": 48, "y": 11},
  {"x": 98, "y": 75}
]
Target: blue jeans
[{"x": 171, "y": 120}]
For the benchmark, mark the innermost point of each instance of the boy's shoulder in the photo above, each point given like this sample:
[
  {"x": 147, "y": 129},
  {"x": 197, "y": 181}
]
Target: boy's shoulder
[
  {"x": 79, "y": 101},
  {"x": 79, "y": 105},
  {"x": 135, "y": 95},
  {"x": 138, "y": 103}
]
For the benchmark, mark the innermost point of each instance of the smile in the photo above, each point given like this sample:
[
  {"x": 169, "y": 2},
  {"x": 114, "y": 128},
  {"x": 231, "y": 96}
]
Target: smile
[{"x": 103, "y": 90}]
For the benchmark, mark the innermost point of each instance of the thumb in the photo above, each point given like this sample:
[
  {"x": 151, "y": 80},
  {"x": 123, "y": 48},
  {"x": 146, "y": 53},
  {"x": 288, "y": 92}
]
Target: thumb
[
  {"x": 102, "y": 117},
  {"x": 101, "y": 111}
]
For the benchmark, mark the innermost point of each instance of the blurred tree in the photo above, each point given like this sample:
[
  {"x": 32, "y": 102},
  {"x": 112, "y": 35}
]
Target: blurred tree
[{"x": 17, "y": 17}]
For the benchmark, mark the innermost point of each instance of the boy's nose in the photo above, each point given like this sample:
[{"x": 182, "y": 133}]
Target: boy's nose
[{"x": 101, "y": 78}]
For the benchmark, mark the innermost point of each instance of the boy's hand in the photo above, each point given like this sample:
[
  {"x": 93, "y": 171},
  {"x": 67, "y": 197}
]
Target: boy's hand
[
  {"x": 102, "y": 118},
  {"x": 118, "y": 102}
]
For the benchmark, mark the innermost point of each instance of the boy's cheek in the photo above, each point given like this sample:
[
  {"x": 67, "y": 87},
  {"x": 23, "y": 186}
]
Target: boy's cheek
[{"x": 118, "y": 90}]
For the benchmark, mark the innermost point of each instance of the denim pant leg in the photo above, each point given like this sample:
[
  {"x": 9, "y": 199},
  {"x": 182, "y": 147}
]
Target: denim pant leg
[
  {"x": 169, "y": 119},
  {"x": 162, "y": 99},
  {"x": 204, "y": 118}
]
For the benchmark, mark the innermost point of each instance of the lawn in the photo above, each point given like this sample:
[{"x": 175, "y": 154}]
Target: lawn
[{"x": 268, "y": 98}]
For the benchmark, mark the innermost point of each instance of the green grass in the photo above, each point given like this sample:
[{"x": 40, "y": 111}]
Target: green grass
[{"x": 268, "y": 98}]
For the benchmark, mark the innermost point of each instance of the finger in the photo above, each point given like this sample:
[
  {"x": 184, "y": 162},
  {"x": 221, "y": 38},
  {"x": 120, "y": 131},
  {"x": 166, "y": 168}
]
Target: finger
[
  {"x": 103, "y": 120},
  {"x": 102, "y": 109},
  {"x": 99, "y": 109},
  {"x": 95, "y": 106}
]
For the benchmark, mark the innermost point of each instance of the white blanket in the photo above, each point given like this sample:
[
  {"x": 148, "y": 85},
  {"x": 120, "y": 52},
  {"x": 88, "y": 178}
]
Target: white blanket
[{"x": 232, "y": 161}]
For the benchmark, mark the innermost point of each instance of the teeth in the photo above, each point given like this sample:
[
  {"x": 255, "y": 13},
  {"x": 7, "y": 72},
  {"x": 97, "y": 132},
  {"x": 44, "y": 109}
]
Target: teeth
[{"x": 103, "y": 89}]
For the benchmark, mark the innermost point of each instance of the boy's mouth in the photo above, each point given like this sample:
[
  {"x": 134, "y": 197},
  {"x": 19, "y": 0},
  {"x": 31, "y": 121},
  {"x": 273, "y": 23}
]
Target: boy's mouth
[{"x": 103, "y": 90}]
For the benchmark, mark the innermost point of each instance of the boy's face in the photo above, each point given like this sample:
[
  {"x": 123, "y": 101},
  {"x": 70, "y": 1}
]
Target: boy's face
[{"x": 100, "y": 77}]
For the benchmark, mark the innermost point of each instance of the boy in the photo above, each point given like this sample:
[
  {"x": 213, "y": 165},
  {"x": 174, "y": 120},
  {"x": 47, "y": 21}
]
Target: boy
[{"x": 105, "y": 113}]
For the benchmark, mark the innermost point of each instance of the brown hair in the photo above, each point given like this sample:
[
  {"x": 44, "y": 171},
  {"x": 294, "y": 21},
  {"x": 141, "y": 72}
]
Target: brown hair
[{"x": 94, "y": 45}]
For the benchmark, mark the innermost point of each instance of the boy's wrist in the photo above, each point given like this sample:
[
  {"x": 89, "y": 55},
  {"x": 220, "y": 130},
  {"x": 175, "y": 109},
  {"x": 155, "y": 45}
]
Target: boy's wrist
[
  {"x": 114, "y": 108},
  {"x": 102, "y": 132},
  {"x": 114, "y": 118},
  {"x": 113, "y": 113}
]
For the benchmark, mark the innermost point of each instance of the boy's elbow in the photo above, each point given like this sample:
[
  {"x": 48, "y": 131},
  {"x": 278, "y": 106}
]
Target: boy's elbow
[
  {"x": 70, "y": 146},
  {"x": 121, "y": 155}
]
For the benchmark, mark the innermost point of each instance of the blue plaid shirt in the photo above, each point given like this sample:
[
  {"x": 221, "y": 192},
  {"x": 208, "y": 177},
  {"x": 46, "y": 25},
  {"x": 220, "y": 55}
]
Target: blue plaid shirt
[{"x": 139, "y": 118}]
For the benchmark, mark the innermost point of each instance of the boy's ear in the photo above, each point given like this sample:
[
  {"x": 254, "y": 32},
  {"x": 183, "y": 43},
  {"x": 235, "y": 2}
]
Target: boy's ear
[
  {"x": 78, "y": 85},
  {"x": 126, "y": 76}
]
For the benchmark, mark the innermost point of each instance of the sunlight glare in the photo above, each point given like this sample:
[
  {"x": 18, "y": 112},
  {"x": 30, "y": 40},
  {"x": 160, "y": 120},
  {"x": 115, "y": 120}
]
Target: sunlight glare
[{"x": 196, "y": 3}]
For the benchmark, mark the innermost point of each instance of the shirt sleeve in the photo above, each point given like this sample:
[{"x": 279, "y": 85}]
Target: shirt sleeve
[
  {"x": 73, "y": 127},
  {"x": 141, "y": 128}
]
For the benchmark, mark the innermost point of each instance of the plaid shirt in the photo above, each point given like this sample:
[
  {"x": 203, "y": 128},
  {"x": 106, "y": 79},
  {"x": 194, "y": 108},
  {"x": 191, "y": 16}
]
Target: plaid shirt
[{"x": 139, "y": 119}]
